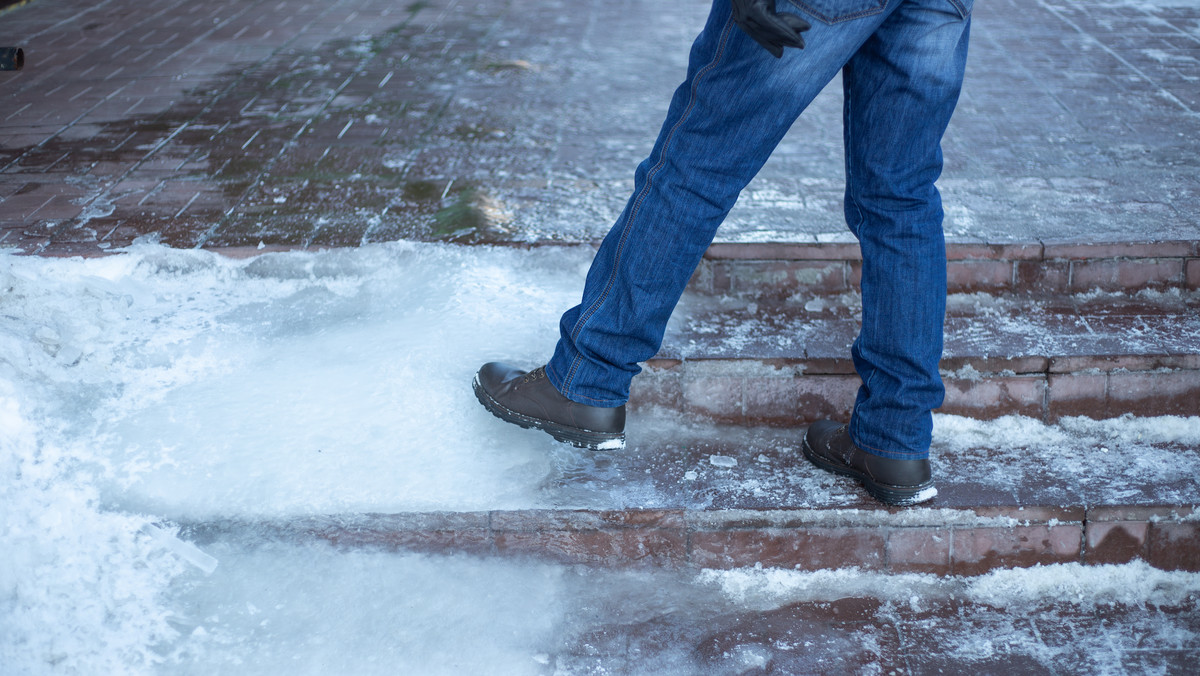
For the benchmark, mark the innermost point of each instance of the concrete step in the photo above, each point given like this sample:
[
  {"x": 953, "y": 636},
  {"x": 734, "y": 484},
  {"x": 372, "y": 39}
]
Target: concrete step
[
  {"x": 690, "y": 495},
  {"x": 1045, "y": 356}
]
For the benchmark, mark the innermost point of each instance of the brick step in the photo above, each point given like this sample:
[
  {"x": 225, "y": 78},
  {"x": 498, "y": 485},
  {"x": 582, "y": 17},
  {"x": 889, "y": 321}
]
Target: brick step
[
  {"x": 948, "y": 541},
  {"x": 783, "y": 269},
  {"x": 685, "y": 493},
  {"x": 1100, "y": 355}
]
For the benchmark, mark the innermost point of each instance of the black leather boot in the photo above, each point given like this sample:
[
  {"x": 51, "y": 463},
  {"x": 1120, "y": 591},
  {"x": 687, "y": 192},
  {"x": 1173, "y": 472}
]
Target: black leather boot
[
  {"x": 896, "y": 482},
  {"x": 529, "y": 400}
]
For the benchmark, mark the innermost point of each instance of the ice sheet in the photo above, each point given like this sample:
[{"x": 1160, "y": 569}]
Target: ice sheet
[
  {"x": 165, "y": 384},
  {"x": 289, "y": 383}
]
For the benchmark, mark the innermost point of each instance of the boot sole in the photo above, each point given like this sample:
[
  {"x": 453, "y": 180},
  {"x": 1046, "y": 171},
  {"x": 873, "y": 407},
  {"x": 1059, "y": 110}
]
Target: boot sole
[
  {"x": 580, "y": 438},
  {"x": 900, "y": 496}
]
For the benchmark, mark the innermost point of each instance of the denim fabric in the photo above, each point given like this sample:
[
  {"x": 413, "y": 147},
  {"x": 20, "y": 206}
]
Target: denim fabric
[{"x": 902, "y": 64}]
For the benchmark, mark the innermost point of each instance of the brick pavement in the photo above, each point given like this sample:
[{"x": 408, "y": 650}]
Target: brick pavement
[
  {"x": 868, "y": 636},
  {"x": 297, "y": 123}
]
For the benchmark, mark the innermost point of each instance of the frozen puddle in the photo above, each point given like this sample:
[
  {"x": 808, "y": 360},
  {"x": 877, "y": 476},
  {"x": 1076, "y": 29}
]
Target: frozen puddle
[{"x": 167, "y": 385}]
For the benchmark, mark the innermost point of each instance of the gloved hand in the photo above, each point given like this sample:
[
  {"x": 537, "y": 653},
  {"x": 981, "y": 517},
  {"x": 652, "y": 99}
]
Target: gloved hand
[{"x": 772, "y": 30}]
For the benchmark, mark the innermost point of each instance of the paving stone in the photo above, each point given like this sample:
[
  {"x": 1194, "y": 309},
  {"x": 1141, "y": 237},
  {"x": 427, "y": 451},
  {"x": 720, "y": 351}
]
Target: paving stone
[
  {"x": 609, "y": 548},
  {"x": 1077, "y": 394},
  {"x": 803, "y": 549},
  {"x": 977, "y": 550},
  {"x": 919, "y": 551},
  {"x": 472, "y": 93},
  {"x": 1121, "y": 274},
  {"x": 996, "y": 397},
  {"x": 1116, "y": 541},
  {"x": 1174, "y": 546}
]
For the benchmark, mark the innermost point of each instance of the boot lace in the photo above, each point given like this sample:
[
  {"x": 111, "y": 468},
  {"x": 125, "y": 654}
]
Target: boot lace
[{"x": 536, "y": 374}]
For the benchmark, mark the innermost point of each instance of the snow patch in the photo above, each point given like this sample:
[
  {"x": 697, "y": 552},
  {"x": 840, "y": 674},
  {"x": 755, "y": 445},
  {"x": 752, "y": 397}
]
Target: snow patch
[{"x": 1070, "y": 583}]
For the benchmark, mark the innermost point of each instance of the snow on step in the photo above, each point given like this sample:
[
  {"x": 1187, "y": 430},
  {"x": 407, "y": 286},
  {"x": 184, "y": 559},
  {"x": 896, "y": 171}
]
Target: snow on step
[{"x": 1096, "y": 354}]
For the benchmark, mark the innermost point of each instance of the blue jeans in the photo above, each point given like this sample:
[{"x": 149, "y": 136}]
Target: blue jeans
[{"x": 902, "y": 66}]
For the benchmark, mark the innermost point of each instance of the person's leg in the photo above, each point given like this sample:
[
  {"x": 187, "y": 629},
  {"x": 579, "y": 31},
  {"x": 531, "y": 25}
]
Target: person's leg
[
  {"x": 901, "y": 88},
  {"x": 723, "y": 123}
]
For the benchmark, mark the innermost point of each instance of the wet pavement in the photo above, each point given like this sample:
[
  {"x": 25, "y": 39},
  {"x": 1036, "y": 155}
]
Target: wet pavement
[{"x": 301, "y": 124}]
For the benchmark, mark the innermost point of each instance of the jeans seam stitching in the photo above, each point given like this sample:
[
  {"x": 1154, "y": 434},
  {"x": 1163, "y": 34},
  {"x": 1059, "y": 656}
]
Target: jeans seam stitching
[
  {"x": 650, "y": 174},
  {"x": 861, "y": 14},
  {"x": 849, "y": 130}
]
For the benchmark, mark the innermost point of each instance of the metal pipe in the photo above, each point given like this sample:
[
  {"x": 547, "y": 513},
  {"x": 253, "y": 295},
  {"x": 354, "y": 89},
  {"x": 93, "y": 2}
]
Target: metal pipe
[{"x": 12, "y": 58}]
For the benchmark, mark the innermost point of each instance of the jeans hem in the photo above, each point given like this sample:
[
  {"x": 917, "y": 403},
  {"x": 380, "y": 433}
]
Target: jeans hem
[
  {"x": 879, "y": 452},
  {"x": 556, "y": 381}
]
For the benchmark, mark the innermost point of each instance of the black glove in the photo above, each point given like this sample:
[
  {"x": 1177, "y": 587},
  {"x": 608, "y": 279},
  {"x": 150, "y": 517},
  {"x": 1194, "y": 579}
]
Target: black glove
[{"x": 772, "y": 30}]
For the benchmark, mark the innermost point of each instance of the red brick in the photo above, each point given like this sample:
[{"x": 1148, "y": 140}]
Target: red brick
[
  {"x": 1076, "y": 251},
  {"x": 787, "y": 277},
  {"x": 968, "y": 276},
  {"x": 995, "y": 396},
  {"x": 656, "y": 388},
  {"x": 717, "y": 397},
  {"x": 1115, "y": 541},
  {"x": 820, "y": 397},
  {"x": 1023, "y": 365},
  {"x": 1154, "y": 393},
  {"x": 702, "y": 278},
  {"x": 804, "y": 549},
  {"x": 1138, "y": 513},
  {"x": 722, "y": 281},
  {"x": 243, "y": 252},
  {"x": 70, "y": 250},
  {"x": 827, "y": 251},
  {"x": 466, "y": 541},
  {"x": 1041, "y": 276},
  {"x": 1073, "y": 394},
  {"x": 1174, "y": 546},
  {"x": 978, "y": 550},
  {"x": 771, "y": 400},
  {"x": 919, "y": 550},
  {"x": 618, "y": 548},
  {"x": 994, "y": 252},
  {"x": 1032, "y": 514},
  {"x": 829, "y": 366},
  {"x": 1128, "y": 362},
  {"x": 57, "y": 209},
  {"x": 1126, "y": 275},
  {"x": 540, "y": 520}
]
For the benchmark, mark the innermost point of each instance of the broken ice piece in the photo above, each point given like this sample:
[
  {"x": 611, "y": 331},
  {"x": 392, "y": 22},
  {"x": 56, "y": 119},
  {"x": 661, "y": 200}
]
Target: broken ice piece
[
  {"x": 690, "y": 475},
  {"x": 722, "y": 461},
  {"x": 184, "y": 550}
]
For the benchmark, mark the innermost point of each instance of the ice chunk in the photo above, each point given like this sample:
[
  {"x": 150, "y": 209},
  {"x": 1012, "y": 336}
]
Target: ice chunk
[
  {"x": 926, "y": 494},
  {"x": 722, "y": 461},
  {"x": 611, "y": 445},
  {"x": 184, "y": 550}
]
